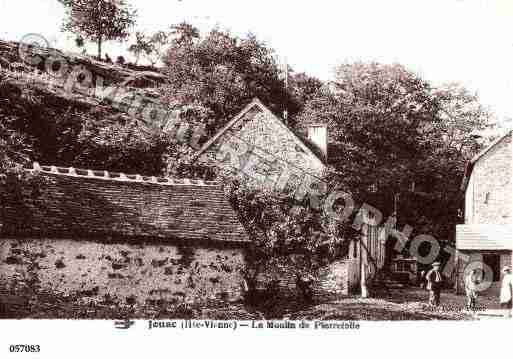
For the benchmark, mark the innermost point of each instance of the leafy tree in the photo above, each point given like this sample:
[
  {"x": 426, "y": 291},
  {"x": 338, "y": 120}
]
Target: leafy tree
[
  {"x": 14, "y": 153},
  {"x": 80, "y": 43},
  {"x": 158, "y": 41},
  {"x": 462, "y": 119},
  {"x": 99, "y": 20},
  {"x": 392, "y": 134},
  {"x": 222, "y": 73},
  {"x": 150, "y": 46},
  {"x": 13, "y": 150},
  {"x": 121, "y": 147},
  {"x": 179, "y": 163},
  {"x": 184, "y": 34},
  {"x": 284, "y": 231},
  {"x": 141, "y": 47},
  {"x": 303, "y": 88}
]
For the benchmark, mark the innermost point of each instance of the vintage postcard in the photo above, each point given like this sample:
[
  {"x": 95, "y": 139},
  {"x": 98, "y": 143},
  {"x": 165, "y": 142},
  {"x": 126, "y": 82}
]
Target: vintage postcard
[{"x": 310, "y": 168}]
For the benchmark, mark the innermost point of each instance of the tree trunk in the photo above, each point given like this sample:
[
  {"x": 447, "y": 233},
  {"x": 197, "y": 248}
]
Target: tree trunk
[
  {"x": 100, "y": 49},
  {"x": 364, "y": 255},
  {"x": 363, "y": 283}
]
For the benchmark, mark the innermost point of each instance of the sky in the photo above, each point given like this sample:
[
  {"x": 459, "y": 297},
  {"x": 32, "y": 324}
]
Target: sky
[{"x": 464, "y": 41}]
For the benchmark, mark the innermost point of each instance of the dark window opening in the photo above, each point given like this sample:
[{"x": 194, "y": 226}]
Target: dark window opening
[{"x": 494, "y": 262}]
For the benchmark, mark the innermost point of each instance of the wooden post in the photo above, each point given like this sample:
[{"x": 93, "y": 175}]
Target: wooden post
[{"x": 363, "y": 264}]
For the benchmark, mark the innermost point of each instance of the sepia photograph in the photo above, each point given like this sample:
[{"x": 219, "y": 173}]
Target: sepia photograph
[{"x": 254, "y": 166}]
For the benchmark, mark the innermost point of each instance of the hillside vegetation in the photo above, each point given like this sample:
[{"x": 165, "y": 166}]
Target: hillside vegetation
[{"x": 65, "y": 125}]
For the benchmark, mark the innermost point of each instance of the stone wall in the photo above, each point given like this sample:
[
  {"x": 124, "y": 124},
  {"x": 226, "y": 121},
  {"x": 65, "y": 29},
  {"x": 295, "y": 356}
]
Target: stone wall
[
  {"x": 124, "y": 273},
  {"x": 338, "y": 278},
  {"x": 488, "y": 198}
]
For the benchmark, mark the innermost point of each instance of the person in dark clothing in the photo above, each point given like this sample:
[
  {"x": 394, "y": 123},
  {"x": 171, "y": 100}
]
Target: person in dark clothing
[
  {"x": 434, "y": 284},
  {"x": 304, "y": 284}
]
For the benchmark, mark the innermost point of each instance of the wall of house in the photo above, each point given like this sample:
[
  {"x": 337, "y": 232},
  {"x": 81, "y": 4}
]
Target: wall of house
[
  {"x": 124, "y": 273},
  {"x": 488, "y": 198},
  {"x": 338, "y": 278},
  {"x": 477, "y": 256},
  {"x": 262, "y": 149}
]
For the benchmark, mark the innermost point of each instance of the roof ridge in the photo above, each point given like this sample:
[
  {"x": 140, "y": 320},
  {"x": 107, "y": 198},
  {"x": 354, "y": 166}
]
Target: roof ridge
[
  {"x": 491, "y": 145},
  {"x": 118, "y": 176},
  {"x": 255, "y": 102},
  {"x": 470, "y": 164}
]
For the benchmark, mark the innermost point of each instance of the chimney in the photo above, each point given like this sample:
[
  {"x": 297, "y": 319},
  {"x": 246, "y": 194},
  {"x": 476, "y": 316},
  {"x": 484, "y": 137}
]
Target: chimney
[{"x": 318, "y": 135}]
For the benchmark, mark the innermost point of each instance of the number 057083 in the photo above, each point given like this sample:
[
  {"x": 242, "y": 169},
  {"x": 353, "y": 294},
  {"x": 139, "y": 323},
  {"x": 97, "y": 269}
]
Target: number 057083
[{"x": 24, "y": 348}]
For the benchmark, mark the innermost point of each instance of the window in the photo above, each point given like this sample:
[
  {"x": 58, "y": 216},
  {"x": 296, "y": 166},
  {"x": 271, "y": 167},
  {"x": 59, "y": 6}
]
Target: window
[
  {"x": 487, "y": 198},
  {"x": 403, "y": 266},
  {"x": 494, "y": 262}
]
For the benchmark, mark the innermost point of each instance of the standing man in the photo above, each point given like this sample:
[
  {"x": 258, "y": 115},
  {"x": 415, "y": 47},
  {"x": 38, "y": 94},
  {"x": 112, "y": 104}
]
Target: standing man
[
  {"x": 422, "y": 280},
  {"x": 434, "y": 284},
  {"x": 506, "y": 290},
  {"x": 471, "y": 283}
]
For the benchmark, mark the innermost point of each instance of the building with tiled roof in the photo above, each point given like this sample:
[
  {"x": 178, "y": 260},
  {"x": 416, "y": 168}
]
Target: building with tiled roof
[
  {"x": 125, "y": 237},
  {"x": 258, "y": 145},
  {"x": 486, "y": 238},
  {"x": 107, "y": 204}
]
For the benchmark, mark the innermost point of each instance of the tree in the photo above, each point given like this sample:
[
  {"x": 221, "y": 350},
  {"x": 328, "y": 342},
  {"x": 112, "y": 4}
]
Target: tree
[
  {"x": 14, "y": 154},
  {"x": 303, "y": 88},
  {"x": 152, "y": 46},
  {"x": 13, "y": 150},
  {"x": 284, "y": 231},
  {"x": 115, "y": 146},
  {"x": 158, "y": 41},
  {"x": 222, "y": 73},
  {"x": 80, "y": 43},
  {"x": 99, "y": 20},
  {"x": 462, "y": 119},
  {"x": 184, "y": 34},
  {"x": 395, "y": 134},
  {"x": 141, "y": 47}
]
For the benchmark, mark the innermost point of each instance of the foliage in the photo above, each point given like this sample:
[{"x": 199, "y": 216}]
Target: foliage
[
  {"x": 141, "y": 47},
  {"x": 122, "y": 147},
  {"x": 62, "y": 131},
  {"x": 14, "y": 154},
  {"x": 393, "y": 133},
  {"x": 222, "y": 73},
  {"x": 49, "y": 124},
  {"x": 152, "y": 46},
  {"x": 186, "y": 135},
  {"x": 99, "y": 20},
  {"x": 14, "y": 146},
  {"x": 303, "y": 88},
  {"x": 281, "y": 229},
  {"x": 13, "y": 149},
  {"x": 79, "y": 42}
]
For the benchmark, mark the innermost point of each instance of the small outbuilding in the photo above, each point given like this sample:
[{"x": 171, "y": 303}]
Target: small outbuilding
[{"x": 123, "y": 238}]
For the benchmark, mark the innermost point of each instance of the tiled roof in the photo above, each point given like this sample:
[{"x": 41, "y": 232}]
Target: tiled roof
[
  {"x": 78, "y": 203},
  {"x": 307, "y": 145},
  {"x": 470, "y": 165}
]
